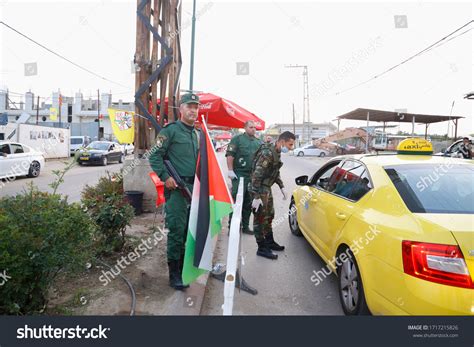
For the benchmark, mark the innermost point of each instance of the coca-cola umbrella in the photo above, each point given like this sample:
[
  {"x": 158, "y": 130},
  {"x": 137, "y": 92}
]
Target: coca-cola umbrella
[{"x": 224, "y": 113}]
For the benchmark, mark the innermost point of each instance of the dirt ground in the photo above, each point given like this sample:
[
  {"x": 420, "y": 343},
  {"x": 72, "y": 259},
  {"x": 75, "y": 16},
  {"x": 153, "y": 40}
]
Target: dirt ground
[{"x": 86, "y": 294}]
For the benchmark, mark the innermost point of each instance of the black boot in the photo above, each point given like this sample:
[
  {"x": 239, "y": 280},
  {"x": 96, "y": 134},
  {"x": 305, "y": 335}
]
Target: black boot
[
  {"x": 272, "y": 244},
  {"x": 264, "y": 251},
  {"x": 181, "y": 264},
  {"x": 175, "y": 277}
]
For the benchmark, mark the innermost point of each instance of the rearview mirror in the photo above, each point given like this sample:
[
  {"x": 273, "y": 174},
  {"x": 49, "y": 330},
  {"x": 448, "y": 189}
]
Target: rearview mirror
[{"x": 301, "y": 180}]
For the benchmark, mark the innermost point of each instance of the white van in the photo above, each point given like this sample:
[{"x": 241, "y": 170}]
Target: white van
[{"x": 78, "y": 142}]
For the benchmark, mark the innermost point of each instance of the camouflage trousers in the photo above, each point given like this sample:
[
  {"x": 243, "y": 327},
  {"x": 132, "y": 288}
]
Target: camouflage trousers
[{"x": 263, "y": 218}]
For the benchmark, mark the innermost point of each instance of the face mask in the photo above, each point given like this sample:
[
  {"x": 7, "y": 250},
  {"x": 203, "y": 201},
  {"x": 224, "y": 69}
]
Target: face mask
[{"x": 284, "y": 149}]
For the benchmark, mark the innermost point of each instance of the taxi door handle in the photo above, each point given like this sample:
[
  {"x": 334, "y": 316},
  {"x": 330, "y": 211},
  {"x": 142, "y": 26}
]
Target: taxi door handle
[
  {"x": 314, "y": 200},
  {"x": 340, "y": 216}
]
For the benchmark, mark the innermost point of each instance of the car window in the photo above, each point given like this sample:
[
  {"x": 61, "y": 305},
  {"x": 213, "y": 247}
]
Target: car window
[
  {"x": 5, "y": 149},
  {"x": 16, "y": 149},
  {"x": 426, "y": 189},
  {"x": 322, "y": 176},
  {"x": 76, "y": 141}
]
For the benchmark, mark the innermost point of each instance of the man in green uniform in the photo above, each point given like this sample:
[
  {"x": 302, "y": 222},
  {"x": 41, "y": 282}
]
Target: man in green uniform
[
  {"x": 178, "y": 143},
  {"x": 266, "y": 171},
  {"x": 240, "y": 153}
]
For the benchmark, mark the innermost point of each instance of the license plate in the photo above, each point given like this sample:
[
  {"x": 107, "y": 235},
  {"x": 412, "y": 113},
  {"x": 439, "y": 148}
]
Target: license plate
[{"x": 84, "y": 158}]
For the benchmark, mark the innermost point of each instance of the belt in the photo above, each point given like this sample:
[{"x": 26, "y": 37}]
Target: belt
[{"x": 188, "y": 180}]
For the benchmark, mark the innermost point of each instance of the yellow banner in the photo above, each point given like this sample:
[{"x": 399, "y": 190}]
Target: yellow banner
[
  {"x": 122, "y": 125},
  {"x": 53, "y": 113}
]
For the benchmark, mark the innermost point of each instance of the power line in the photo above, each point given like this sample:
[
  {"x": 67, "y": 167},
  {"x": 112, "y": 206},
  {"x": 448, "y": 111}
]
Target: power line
[
  {"x": 430, "y": 47},
  {"x": 62, "y": 57}
]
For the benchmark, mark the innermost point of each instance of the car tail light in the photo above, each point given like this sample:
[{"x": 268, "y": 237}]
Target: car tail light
[{"x": 436, "y": 263}]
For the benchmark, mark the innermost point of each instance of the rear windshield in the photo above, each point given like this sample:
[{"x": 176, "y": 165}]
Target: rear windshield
[{"x": 435, "y": 188}]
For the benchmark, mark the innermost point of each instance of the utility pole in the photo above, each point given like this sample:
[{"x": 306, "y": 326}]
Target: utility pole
[
  {"x": 306, "y": 115},
  {"x": 98, "y": 115},
  {"x": 37, "y": 108},
  {"x": 158, "y": 61},
  {"x": 60, "y": 106}
]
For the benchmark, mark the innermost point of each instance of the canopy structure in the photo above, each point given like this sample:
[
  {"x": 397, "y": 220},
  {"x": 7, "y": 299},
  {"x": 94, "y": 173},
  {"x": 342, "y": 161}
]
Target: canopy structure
[
  {"x": 365, "y": 114},
  {"x": 223, "y": 113}
]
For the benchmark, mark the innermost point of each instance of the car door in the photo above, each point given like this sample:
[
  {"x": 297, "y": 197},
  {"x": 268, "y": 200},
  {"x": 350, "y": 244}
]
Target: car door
[
  {"x": 21, "y": 160},
  {"x": 340, "y": 202},
  {"x": 310, "y": 205},
  {"x": 5, "y": 162}
]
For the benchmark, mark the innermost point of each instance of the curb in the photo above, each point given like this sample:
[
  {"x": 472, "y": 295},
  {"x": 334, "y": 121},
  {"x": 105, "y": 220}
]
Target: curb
[{"x": 190, "y": 301}]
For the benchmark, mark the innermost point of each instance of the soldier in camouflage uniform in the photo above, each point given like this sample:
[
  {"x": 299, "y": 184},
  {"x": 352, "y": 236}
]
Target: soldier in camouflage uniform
[
  {"x": 266, "y": 171},
  {"x": 240, "y": 153},
  {"x": 177, "y": 142}
]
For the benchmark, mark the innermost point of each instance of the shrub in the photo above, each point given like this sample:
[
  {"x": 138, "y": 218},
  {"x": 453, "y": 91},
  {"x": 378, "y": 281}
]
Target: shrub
[
  {"x": 107, "y": 207},
  {"x": 40, "y": 235}
]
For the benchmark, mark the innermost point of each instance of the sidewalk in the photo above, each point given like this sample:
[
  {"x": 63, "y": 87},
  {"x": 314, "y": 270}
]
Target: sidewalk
[{"x": 87, "y": 295}]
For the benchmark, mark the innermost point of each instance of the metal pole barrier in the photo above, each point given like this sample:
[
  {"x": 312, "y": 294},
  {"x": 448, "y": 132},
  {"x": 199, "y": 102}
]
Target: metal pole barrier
[{"x": 233, "y": 251}]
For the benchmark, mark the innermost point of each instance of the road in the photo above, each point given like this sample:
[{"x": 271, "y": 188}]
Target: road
[
  {"x": 74, "y": 180},
  {"x": 284, "y": 285}
]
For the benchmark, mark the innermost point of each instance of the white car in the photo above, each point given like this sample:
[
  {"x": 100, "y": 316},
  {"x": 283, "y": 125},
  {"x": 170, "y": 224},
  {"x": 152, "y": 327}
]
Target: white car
[
  {"x": 17, "y": 159},
  {"x": 78, "y": 142},
  {"x": 128, "y": 148},
  {"x": 310, "y": 150}
]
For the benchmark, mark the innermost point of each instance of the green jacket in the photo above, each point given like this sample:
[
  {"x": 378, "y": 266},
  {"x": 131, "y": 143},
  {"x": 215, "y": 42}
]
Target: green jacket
[
  {"x": 179, "y": 144},
  {"x": 266, "y": 169},
  {"x": 243, "y": 147}
]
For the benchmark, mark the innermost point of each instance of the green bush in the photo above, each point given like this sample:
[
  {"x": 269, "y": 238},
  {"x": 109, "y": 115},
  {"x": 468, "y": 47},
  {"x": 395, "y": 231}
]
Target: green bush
[
  {"x": 40, "y": 235},
  {"x": 107, "y": 207}
]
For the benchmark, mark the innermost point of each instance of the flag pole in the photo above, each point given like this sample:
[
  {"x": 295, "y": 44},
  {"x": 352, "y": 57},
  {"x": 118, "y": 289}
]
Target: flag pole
[
  {"x": 233, "y": 252},
  {"x": 218, "y": 164}
]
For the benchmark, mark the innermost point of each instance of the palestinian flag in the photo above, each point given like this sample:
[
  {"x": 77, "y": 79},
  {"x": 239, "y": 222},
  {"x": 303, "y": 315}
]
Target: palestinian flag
[{"x": 211, "y": 202}]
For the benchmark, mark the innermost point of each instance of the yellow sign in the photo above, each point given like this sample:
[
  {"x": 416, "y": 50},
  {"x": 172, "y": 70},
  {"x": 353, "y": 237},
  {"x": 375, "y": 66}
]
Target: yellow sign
[
  {"x": 122, "y": 125},
  {"x": 415, "y": 146},
  {"x": 53, "y": 113}
]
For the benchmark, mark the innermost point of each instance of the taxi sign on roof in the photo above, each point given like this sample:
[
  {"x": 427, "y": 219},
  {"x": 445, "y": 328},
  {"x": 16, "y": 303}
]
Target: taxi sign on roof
[{"x": 415, "y": 146}]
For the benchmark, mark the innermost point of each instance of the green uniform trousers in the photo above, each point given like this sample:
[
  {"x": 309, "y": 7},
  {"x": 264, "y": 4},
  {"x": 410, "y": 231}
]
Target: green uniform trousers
[
  {"x": 177, "y": 215},
  {"x": 247, "y": 203}
]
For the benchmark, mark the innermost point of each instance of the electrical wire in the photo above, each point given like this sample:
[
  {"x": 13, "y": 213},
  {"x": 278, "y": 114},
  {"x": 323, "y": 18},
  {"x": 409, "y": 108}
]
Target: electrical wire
[
  {"x": 62, "y": 57},
  {"x": 430, "y": 47}
]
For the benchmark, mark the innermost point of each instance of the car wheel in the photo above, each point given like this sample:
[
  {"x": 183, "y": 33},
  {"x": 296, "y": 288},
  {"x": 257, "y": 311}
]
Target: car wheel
[
  {"x": 80, "y": 163},
  {"x": 104, "y": 160},
  {"x": 121, "y": 159},
  {"x": 294, "y": 228},
  {"x": 322, "y": 155},
  {"x": 300, "y": 154},
  {"x": 351, "y": 289},
  {"x": 35, "y": 169}
]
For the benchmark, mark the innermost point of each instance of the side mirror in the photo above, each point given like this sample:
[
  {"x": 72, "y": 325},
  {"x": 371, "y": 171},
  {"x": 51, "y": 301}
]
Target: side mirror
[
  {"x": 443, "y": 150},
  {"x": 301, "y": 180}
]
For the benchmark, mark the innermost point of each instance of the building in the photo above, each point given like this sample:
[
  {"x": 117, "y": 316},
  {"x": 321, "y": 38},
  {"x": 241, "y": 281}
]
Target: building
[
  {"x": 310, "y": 131},
  {"x": 84, "y": 117}
]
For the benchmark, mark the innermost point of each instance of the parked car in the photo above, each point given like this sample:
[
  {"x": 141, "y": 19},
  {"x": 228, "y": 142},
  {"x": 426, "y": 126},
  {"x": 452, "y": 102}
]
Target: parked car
[
  {"x": 392, "y": 226},
  {"x": 100, "y": 152},
  {"x": 310, "y": 150},
  {"x": 78, "y": 142},
  {"x": 453, "y": 149},
  {"x": 128, "y": 148},
  {"x": 17, "y": 159}
]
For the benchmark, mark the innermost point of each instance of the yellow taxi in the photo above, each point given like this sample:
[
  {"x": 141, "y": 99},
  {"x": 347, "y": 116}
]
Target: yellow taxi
[{"x": 397, "y": 230}]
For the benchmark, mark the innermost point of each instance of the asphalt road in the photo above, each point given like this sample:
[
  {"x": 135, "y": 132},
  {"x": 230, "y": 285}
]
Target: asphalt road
[
  {"x": 74, "y": 180},
  {"x": 284, "y": 285}
]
